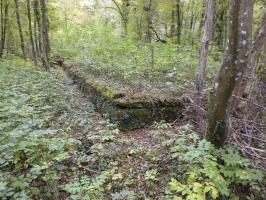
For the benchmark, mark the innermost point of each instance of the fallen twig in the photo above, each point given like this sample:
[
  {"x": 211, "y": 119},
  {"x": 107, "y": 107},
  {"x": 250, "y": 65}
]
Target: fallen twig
[{"x": 247, "y": 100}]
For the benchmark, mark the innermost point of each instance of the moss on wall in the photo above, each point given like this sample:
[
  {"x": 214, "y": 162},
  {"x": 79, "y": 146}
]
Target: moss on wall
[{"x": 127, "y": 113}]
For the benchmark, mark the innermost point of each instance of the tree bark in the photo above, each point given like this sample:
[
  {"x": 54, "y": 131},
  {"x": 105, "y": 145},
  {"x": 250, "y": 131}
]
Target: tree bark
[
  {"x": 208, "y": 29},
  {"x": 38, "y": 26},
  {"x": 45, "y": 37},
  {"x": 22, "y": 43},
  {"x": 2, "y": 28},
  {"x": 4, "y": 19},
  {"x": 254, "y": 51},
  {"x": 30, "y": 33},
  {"x": 45, "y": 30},
  {"x": 235, "y": 61},
  {"x": 148, "y": 9},
  {"x": 35, "y": 29},
  {"x": 179, "y": 22},
  {"x": 192, "y": 18}
]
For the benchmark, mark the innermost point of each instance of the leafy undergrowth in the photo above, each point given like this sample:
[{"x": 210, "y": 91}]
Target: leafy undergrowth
[
  {"x": 54, "y": 146},
  {"x": 166, "y": 66}
]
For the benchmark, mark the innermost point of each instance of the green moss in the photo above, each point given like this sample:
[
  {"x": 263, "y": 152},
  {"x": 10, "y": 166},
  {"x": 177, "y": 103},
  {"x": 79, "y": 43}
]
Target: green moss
[
  {"x": 121, "y": 102},
  {"x": 67, "y": 65},
  {"x": 77, "y": 75},
  {"x": 111, "y": 94},
  {"x": 127, "y": 113},
  {"x": 129, "y": 103},
  {"x": 90, "y": 81},
  {"x": 103, "y": 89}
]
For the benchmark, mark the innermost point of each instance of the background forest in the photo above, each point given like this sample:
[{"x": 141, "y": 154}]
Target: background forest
[{"x": 71, "y": 71}]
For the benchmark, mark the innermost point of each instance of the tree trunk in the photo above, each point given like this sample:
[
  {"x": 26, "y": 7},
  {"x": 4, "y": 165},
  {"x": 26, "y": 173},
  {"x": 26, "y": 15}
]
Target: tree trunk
[
  {"x": 235, "y": 61},
  {"x": 191, "y": 20},
  {"x": 45, "y": 26},
  {"x": 148, "y": 10},
  {"x": 2, "y": 28},
  {"x": 4, "y": 20},
  {"x": 208, "y": 29},
  {"x": 38, "y": 24},
  {"x": 30, "y": 34},
  {"x": 35, "y": 29},
  {"x": 126, "y": 5},
  {"x": 139, "y": 28},
  {"x": 173, "y": 28},
  {"x": 45, "y": 37},
  {"x": 179, "y": 22},
  {"x": 255, "y": 50},
  {"x": 20, "y": 29},
  {"x": 123, "y": 10}
]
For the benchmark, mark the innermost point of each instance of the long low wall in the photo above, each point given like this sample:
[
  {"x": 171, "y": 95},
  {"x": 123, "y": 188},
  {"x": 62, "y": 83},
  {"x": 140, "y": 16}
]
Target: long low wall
[{"x": 127, "y": 113}]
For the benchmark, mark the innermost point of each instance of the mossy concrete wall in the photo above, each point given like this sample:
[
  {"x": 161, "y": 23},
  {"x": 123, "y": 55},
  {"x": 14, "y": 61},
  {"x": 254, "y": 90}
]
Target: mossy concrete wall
[{"x": 127, "y": 113}]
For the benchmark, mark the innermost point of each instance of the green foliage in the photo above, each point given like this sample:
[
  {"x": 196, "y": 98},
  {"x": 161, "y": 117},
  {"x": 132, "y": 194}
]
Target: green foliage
[
  {"x": 31, "y": 153},
  {"x": 123, "y": 59},
  {"x": 196, "y": 169},
  {"x": 53, "y": 147},
  {"x": 210, "y": 172},
  {"x": 151, "y": 175},
  {"x": 87, "y": 188}
]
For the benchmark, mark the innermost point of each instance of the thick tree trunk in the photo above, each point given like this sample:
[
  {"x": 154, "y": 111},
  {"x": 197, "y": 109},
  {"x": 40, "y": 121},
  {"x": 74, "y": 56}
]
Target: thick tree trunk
[
  {"x": 22, "y": 43},
  {"x": 254, "y": 51},
  {"x": 4, "y": 19},
  {"x": 30, "y": 33},
  {"x": 45, "y": 37},
  {"x": 235, "y": 61},
  {"x": 178, "y": 22},
  {"x": 45, "y": 26},
  {"x": 208, "y": 29}
]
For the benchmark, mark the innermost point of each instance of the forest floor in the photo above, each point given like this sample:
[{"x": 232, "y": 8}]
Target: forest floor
[
  {"x": 132, "y": 156},
  {"x": 101, "y": 161},
  {"x": 54, "y": 145},
  {"x": 81, "y": 101}
]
